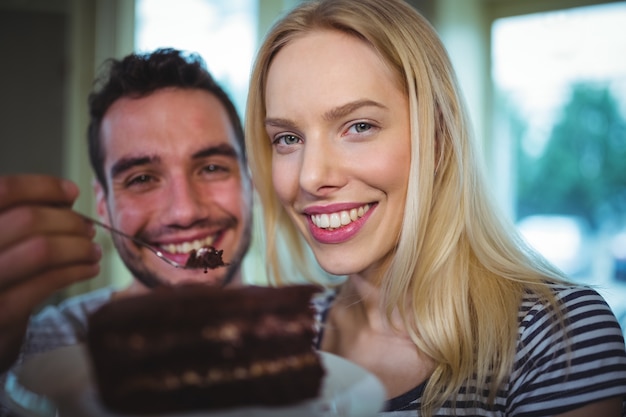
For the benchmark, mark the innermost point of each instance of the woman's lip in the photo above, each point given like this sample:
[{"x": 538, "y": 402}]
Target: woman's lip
[{"x": 340, "y": 234}]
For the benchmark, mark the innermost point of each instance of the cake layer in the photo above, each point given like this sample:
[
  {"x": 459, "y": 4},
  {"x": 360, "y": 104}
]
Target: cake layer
[
  {"x": 165, "y": 305},
  {"x": 279, "y": 389},
  {"x": 188, "y": 347}
]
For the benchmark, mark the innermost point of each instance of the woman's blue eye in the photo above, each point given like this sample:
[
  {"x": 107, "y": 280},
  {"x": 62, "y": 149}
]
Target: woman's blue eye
[
  {"x": 362, "y": 127},
  {"x": 288, "y": 139}
]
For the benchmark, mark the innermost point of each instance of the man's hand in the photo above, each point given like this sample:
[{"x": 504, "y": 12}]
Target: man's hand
[{"x": 44, "y": 246}]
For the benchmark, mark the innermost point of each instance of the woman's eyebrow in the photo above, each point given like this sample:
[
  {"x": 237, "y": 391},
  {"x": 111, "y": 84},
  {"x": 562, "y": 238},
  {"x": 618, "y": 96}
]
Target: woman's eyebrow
[
  {"x": 346, "y": 109},
  {"x": 332, "y": 114},
  {"x": 279, "y": 122}
]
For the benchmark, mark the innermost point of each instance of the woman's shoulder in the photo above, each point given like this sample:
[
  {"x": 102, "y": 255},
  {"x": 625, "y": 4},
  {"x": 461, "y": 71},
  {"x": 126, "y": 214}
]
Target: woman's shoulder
[
  {"x": 581, "y": 333},
  {"x": 575, "y": 304},
  {"x": 573, "y": 353},
  {"x": 580, "y": 313}
]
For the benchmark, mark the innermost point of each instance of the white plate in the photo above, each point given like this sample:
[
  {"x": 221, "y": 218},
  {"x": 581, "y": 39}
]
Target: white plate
[{"x": 60, "y": 382}]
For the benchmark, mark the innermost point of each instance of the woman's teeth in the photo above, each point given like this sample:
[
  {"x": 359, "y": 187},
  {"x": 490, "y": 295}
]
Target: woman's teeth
[
  {"x": 339, "y": 219},
  {"x": 188, "y": 246}
]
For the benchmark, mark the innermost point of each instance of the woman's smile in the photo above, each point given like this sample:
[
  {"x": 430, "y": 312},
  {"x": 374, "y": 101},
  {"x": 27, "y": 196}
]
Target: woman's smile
[
  {"x": 338, "y": 226},
  {"x": 339, "y": 219}
]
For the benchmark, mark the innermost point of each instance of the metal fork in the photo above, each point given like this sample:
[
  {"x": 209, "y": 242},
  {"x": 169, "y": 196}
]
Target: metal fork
[{"x": 134, "y": 239}]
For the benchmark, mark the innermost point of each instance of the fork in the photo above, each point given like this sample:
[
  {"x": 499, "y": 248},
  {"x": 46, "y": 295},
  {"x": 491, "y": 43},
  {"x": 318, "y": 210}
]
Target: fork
[{"x": 134, "y": 239}]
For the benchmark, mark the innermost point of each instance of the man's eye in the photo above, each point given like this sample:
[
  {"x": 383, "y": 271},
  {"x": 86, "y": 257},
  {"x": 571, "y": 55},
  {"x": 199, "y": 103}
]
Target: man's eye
[
  {"x": 215, "y": 172},
  {"x": 214, "y": 168},
  {"x": 139, "y": 179}
]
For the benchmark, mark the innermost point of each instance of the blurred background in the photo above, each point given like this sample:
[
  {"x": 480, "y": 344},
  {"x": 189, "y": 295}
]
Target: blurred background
[{"x": 545, "y": 81}]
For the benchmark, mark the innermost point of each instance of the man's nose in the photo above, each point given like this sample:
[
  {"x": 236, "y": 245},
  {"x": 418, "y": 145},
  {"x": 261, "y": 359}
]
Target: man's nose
[{"x": 185, "y": 204}]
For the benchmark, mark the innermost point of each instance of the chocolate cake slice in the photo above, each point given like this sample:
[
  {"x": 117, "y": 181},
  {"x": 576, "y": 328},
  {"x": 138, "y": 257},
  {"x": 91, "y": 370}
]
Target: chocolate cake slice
[
  {"x": 206, "y": 258},
  {"x": 197, "y": 347}
]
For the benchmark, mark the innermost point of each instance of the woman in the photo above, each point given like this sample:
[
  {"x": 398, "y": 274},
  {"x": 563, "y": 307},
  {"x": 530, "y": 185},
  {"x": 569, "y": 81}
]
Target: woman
[{"x": 359, "y": 143}]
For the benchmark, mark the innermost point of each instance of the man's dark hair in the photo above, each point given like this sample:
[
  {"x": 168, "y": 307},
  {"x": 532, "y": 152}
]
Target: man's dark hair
[{"x": 138, "y": 75}]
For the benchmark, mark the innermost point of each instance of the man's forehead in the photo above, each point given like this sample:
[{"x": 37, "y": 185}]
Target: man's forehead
[{"x": 189, "y": 121}]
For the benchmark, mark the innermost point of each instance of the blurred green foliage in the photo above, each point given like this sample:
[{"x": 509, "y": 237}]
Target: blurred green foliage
[{"x": 582, "y": 169}]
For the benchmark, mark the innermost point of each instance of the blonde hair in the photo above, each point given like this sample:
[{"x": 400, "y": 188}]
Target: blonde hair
[{"x": 459, "y": 271}]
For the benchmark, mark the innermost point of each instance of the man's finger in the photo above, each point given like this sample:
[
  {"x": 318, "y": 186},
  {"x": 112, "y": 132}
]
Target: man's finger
[{"x": 35, "y": 189}]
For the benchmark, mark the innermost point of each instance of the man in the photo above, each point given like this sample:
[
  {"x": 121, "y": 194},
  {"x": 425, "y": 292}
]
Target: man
[{"x": 166, "y": 147}]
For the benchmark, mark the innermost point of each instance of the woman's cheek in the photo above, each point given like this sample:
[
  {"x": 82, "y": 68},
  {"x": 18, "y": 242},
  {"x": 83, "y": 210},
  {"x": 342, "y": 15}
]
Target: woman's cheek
[{"x": 284, "y": 179}]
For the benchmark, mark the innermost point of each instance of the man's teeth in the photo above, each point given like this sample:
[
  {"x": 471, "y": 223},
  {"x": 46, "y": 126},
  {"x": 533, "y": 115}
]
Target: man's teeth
[
  {"x": 338, "y": 219},
  {"x": 188, "y": 246}
]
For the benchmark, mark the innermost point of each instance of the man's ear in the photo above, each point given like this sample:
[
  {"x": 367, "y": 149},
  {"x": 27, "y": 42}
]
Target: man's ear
[{"x": 101, "y": 201}]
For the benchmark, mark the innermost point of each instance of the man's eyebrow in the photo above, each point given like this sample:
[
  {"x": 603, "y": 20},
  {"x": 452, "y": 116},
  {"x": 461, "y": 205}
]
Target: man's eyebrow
[
  {"x": 222, "y": 149},
  {"x": 332, "y": 114},
  {"x": 125, "y": 164}
]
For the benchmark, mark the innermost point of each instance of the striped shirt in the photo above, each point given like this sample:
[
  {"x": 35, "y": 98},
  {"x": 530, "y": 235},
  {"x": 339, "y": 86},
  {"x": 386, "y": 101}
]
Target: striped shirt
[{"x": 551, "y": 374}]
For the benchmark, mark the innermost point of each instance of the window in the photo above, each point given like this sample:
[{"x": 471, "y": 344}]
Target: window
[
  {"x": 224, "y": 33},
  {"x": 560, "y": 81}
]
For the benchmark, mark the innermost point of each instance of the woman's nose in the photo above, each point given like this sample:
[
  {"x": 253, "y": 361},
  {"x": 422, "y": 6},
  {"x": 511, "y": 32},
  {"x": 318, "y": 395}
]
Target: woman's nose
[{"x": 320, "y": 167}]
